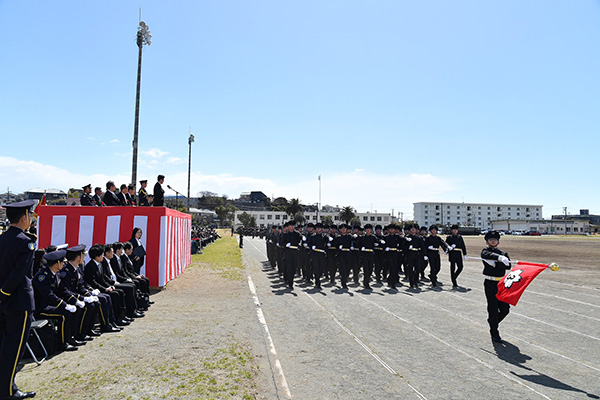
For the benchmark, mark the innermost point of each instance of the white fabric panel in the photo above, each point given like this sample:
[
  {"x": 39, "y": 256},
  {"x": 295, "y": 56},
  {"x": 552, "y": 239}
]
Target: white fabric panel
[
  {"x": 141, "y": 221},
  {"x": 113, "y": 225},
  {"x": 162, "y": 254},
  {"x": 86, "y": 232},
  {"x": 59, "y": 229}
]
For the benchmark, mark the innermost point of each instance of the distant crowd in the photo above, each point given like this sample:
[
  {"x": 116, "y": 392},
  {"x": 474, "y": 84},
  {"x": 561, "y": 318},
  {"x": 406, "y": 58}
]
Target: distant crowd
[{"x": 126, "y": 196}]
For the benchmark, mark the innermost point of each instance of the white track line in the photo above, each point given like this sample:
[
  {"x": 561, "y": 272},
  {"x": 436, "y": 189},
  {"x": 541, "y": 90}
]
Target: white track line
[
  {"x": 263, "y": 322},
  {"x": 362, "y": 344},
  {"x": 437, "y": 307},
  {"x": 453, "y": 347}
]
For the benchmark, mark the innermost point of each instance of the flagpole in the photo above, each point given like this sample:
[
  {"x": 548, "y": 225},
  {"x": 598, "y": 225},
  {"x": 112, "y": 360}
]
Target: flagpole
[
  {"x": 552, "y": 266},
  {"x": 319, "y": 203}
]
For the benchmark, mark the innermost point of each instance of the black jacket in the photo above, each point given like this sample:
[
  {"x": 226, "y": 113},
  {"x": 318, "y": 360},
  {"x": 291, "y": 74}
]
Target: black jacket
[
  {"x": 159, "y": 195},
  {"x": 111, "y": 199},
  {"x": 493, "y": 267},
  {"x": 16, "y": 268}
]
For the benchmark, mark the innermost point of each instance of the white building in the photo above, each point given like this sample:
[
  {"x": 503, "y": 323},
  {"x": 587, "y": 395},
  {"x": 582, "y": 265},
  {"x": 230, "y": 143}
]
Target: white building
[
  {"x": 545, "y": 226},
  {"x": 479, "y": 215},
  {"x": 268, "y": 218}
]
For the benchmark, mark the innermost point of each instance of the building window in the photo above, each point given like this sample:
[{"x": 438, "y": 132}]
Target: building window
[
  {"x": 269, "y": 216},
  {"x": 425, "y": 205},
  {"x": 437, "y": 207},
  {"x": 365, "y": 218},
  {"x": 337, "y": 217},
  {"x": 372, "y": 218},
  {"x": 261, "y": 216},
  {"x": 379, "y": 219},
  {"x": 285, "y": 216},
  {"x": 386, "y": 219},
  {"x": 277, "y": 216}
]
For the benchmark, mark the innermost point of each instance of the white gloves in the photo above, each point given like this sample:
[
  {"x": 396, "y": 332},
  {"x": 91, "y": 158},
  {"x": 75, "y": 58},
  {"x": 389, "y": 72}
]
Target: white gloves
[
  {"x": 288, "y": 245},
  {"x": 341, "y": 246},
  {"x": 88, "y": 299},
  {"x": 504, "y": 260},
  {"x": 382, "y": 241},
  {"x": 351, "y": 247},
  {"x": 95, "y": 292},
  {"x": 410, "y": 247},
  {"x": 303, "y": 238},
  {"x": 355, "y": 236},
  {"x": 362, "y": 248},
  {"x": 425, "y": 258},
  {"x": 387, "y": 249},
  {"x": 314, "y": 247},
  {"x": 70, "y": 308},
  {"x": 80, "y": 304},
  {"x": 96, "y": 299},
  {"x": 453, "y": 246},
  {"x": 408, "y": 239},
  {"x": 431, "y": 248},
  {"x": 330, "y": 239}
]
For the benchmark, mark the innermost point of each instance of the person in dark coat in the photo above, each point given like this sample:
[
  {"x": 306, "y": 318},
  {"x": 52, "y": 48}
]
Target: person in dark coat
[
  {"x": 139, "y": 252},
  {"x": 98, "y": 197},
  {"x": 86, "y": 198},
  {"x": 159, "y": 192},
  {"x": 16, "y": 295},
  {"x": 110, "y": 197},
  {"x": 143, "y": 194}
]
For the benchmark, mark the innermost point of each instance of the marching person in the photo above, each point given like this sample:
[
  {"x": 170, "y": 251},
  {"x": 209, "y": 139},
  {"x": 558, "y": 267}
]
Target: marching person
[
  {"x": 433, "y": 242},
  {"x": 392, "y": 245},
  {"x": 86, "y": 198},
  {"x": 457, "y": 251},
  {"x": 332, "y": 254},
  {"x": 378, "y": 250},
  {"x": 292, "y": 241},
  {"x": 495, "y": 264},
  {"x": 318, "y": 243},
  {"x": 143, "y": 194},
  {"x": 159, "y": 192},
  {"x": 367, "y": 247},
  {"x": 424, "y": 260},
  {"x": 415, "y": 254},
  {"x": 16, "y": 295}
]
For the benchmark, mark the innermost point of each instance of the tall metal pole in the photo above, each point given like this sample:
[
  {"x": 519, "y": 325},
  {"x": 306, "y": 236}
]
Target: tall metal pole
[
  {"x": 190, "y": 141},
  {"x": 143, "y": 37},
  {"x": 319, "y": 203}
]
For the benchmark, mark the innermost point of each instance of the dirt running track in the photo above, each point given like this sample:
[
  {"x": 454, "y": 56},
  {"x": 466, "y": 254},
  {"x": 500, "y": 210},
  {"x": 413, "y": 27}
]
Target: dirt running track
[{"x": 435, "y": 344}]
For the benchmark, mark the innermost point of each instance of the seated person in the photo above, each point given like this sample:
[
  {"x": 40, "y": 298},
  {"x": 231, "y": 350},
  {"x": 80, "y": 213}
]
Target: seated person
[{"x": 128, "y": 288}]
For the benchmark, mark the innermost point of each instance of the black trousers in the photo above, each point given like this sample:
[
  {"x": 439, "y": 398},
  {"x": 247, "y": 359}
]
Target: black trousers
[
  {"x": 291, "y": 260},
  {"x": 344, "y": 259},
  {"x": 117, "y": 300},
  {"x": 332, "y": 264},
  {"x": 434, "y": 265},
  {"x": 413, "y": 267},
  {"x": 319, "y": 263},
  {"x": 280, "y": 266},
  {"x": 67, "y": 322},
  {"x": 14, "y": 332},
  {"x": 86, "y": 323},
  {"x": 379, "y": 260},
  {"x": 106, "y": 310},
  {"x": 368, "y": 261},
  {"x": 456, "y": 266},
  {"x": 392, "y": 263},
  {"x": 423, "y": 267},
  {"x": 130, "y": 296},
  {"x": 497, "y": 310},
  {"x": 356, "y": 263}
]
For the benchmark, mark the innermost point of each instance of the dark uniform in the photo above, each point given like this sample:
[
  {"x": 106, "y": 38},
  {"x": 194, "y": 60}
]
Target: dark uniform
[
  {"x": 318, "y": 243},
  {"x": 343, "y": 243},
  {"x": 378, "y": 250},
  {"x": 143, "y": 195},
  {"x": 392, "y": 249},
  {"x": 332, "y": 255},
  {"x": 16, "y": 298},
  {"x": 271, "y": 240},
  {"x": 159, "y": 194},
  {"x": 86, "y": 198},
  {"x": 495, "y": 264},
  {"x": 291, "y": 255},
  {"x": 55, "y": 302},
  {"x": 456, "y": 252},
  {"x": 414, "y": 252},
  {"x": 111, "y": 199},
  {"x": 433, "y": 244}
]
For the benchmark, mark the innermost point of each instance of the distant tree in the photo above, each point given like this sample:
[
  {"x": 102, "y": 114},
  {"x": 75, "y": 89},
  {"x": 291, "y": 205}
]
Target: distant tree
[
  {"x": 225, "y": 213},
  {"x": 299, "y": 218},
  {"x": 347, "y": 214},
  {"x": 327, "y": 220},
  {"x": 294, "y": 207},
  {"x": 355, "y": 221},
  {"x": 279, "y": 204},
  {"x": 247, "y": 220}
]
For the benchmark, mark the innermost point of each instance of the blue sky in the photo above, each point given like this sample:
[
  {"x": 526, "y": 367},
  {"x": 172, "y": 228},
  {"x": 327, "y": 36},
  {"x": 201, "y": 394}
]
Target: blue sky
[{"x": 392, "y": 102}]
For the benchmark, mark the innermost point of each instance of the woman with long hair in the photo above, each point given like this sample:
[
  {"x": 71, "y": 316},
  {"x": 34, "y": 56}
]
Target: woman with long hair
[{"x": 138, "y": 249}]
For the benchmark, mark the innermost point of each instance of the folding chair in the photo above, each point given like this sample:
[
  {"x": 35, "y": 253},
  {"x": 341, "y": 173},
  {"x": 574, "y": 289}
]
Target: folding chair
[{"x": 35, "y": 325}]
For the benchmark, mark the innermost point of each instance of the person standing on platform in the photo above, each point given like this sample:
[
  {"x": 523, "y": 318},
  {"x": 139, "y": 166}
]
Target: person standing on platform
[
  {"x": 16, "y": 295},
  {"x": 123, "y": 195},
  {"x": 98, "y": 197},
  {"x": 457, "y": 251},
  {"x": 495, "y": 264},
  {"x": 143, "y": 194},
  {"x": 86, "y": 198},
  {"x": 110, "y": 197},
  {"x": 131, "y": 195},
  {"x": 433, "y": 244},
  {"x": 159, "y": 192}
]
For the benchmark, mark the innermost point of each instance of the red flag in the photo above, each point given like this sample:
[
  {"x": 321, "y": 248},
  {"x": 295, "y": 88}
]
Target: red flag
[
  {"x": 512, "y": 286},
  {"x": 41, "y": 203}
]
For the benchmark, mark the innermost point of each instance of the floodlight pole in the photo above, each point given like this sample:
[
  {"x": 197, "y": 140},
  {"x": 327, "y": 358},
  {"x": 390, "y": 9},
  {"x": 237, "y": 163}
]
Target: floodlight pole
[
  {"x": 190, "y": 141},
  {"x": 143, "y": 37}
]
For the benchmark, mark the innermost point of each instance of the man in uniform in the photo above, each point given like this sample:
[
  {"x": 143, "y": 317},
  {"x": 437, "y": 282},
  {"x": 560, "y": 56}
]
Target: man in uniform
[
  {"x": 143, "y": 194},
  {"x": 424, "y": 261},
  {"x": 378, "y": 249},
  {"x": 159, "y": 192},
  {"x": 414, "y": 252},
  {"x": 332, "y": 254},
  {"x": 318, "y": 243},
  {"x": 392, "y": 244},
  {"x": 291, "y": 257},
  {"x": 495, "y": 264},
  {"x": 343, "y": 243},
  {"x": 367, "y": 247},
  {"x": 456, "y": 252},
  {"x": 433, "y": 244},
  {"x": 86, "y": 198},
  {"x": 16, "y": 295}
]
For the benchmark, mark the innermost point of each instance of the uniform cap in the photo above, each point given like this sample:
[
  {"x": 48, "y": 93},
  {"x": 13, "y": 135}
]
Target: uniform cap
[
  {"x": 368, "y": 226},
  {"x": 378, "y": 227},
  {"x": 76, "y": 249},
  {"x": 318, "y": 225},
  {"x": 492, "y": 235},
  {"x": 55, "y": 255},
  {"x": 88, "y": 186},
  {"x": 454, "y": 226},
  {"x": 144, "y": 181},
  {"x": 25, "y": 204},
  {"x": 432, "y": 227}
]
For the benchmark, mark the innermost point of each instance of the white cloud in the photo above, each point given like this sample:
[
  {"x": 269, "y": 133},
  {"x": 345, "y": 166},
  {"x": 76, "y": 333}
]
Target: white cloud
[
  {"x": 154, "y": 153},
  {"x": 175, "y": 160},
  {"x": 114, "y": 141}
]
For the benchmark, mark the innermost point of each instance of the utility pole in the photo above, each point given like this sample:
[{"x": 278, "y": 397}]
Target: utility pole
[
  {"x": 143, "y": 37},
  {"x": 190, "y": 141}
]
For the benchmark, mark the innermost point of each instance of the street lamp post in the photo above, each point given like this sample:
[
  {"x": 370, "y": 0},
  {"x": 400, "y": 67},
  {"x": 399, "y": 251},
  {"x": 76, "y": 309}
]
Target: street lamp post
[
  {"x": 143, "y": 37},
  {"x": 190, "y": 141}
]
